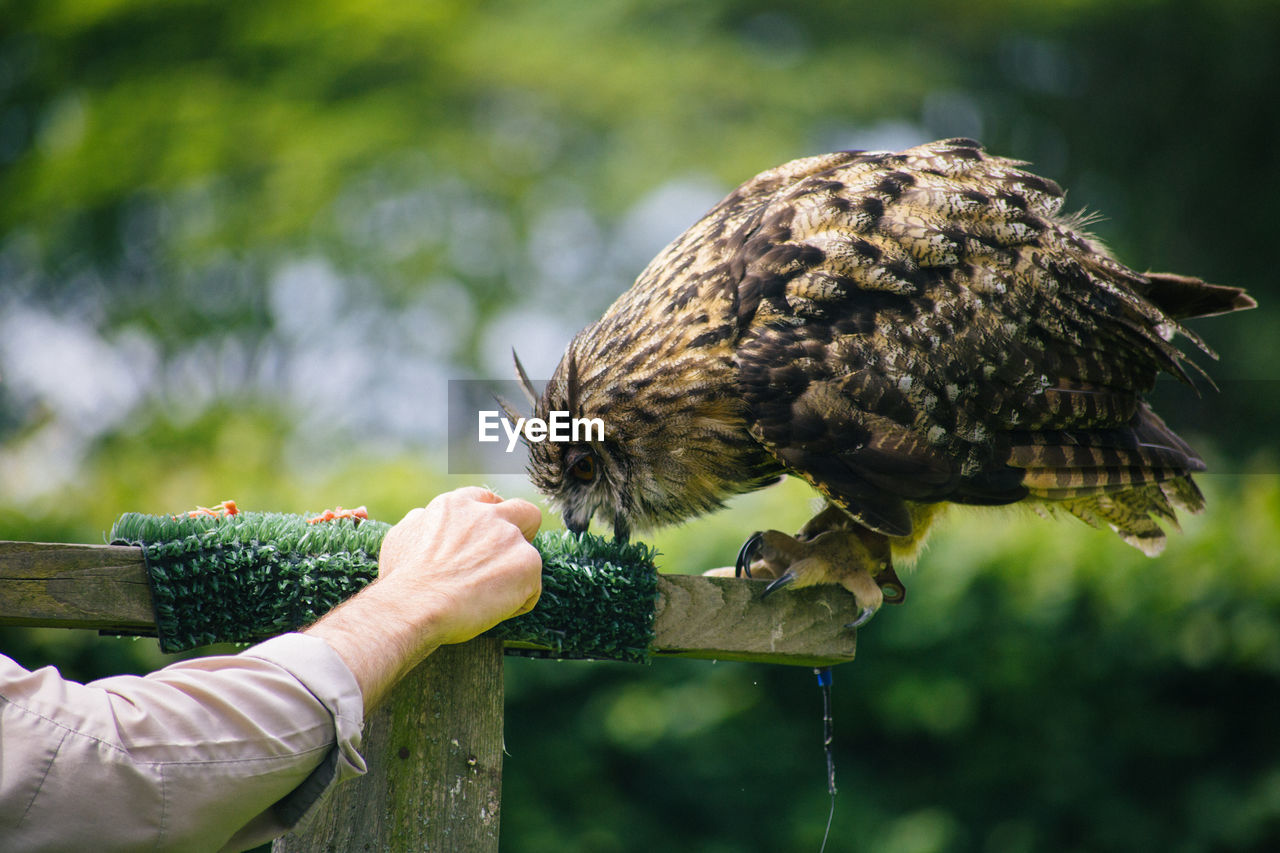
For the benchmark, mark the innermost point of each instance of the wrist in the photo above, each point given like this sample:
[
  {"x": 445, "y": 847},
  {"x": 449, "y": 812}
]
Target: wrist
[{"x": 378, "y": 637}]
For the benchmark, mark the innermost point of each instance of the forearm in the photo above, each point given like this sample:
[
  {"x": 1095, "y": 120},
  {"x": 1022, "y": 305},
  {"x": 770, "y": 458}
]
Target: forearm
[
  {"x": 179, "y": 759},
  {"x": 379, "y": 637}
]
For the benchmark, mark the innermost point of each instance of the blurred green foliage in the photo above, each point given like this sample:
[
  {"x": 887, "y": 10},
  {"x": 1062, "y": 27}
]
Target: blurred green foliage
[{"x": 244, "y": 245}]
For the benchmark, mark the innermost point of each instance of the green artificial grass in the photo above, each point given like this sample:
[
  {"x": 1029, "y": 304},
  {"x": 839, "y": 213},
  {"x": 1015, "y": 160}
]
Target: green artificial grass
[{"x": 243, "y": 577}]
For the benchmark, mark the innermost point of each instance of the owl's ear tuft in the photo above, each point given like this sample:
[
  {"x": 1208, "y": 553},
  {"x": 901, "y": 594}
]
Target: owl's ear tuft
[
  {"x": 572, "y": 383},
  {"x": 525, "y": 385},
  {"x": 509, "y": 411}
]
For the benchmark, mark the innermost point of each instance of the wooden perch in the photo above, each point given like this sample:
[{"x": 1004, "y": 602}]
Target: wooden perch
[
  {"x": 434, "y": 747},
  {"x": 74, "y": 586},
  {"x": 105, "y": 587}
]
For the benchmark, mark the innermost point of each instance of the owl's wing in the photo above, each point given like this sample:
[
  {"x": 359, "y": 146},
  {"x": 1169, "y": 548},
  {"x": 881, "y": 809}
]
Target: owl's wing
[{"x": 926, "y": 326}]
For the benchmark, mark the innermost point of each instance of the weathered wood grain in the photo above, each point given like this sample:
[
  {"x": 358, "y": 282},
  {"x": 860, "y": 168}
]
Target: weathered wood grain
[
  {"x": 727, "y": 619},
  {"x": 434, "y": 751},
  {"x": 74, "y": 586}
]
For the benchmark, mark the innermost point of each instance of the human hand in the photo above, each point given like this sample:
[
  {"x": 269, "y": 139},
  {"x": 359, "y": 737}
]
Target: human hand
[
  {"x": 465, "y": 562},
  {"x": 446, "y": 573}
]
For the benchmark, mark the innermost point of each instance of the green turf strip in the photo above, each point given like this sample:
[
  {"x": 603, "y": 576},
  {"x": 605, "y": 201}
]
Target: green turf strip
[{"x": 255, "y": 574}]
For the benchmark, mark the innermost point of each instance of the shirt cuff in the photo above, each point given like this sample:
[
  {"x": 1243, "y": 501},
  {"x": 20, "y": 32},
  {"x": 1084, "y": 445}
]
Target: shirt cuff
[{"x": 322, "y": 671}]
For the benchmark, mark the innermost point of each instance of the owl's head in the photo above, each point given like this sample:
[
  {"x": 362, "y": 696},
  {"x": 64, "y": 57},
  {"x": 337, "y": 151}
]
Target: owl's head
[
  {"x": 629, "y": 449},
  {"x": 577, "y": 463}
]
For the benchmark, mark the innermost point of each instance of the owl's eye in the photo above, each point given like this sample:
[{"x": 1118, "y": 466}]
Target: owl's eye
[{"x": 584, "y": 469}]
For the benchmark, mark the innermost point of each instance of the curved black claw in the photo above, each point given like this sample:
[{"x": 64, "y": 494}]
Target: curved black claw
[
  {"x": 863, "y": 615},
  {"x": 747, "y": 553},
  {"x": 778, "y": 583}
]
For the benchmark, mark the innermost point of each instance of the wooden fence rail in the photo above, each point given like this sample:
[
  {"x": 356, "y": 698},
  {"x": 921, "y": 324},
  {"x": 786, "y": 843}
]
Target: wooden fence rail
[{"x": 434, "y": 748}]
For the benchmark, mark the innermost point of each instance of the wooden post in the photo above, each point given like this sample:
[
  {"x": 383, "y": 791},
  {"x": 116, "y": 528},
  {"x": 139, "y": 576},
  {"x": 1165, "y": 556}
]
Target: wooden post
[
  {"x": 434, "y": 748},
  {"x": 434, "y": 751}
]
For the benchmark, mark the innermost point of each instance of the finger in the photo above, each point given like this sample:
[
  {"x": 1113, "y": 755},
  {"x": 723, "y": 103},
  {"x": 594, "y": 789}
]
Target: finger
[
  {"x": 479, "y": 494},
  {"x": 396, "y": 544},
  {"x": 411, "y": 515},
  {"x": 523, "y": 515},
  {"x": 530, "y": 604}
]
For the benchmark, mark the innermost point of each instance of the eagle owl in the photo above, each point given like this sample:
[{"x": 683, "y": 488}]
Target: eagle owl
[{"x": 902, "y": 330}]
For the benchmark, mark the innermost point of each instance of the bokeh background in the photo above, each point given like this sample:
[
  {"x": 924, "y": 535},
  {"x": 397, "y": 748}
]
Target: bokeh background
[{"x": 245, "y": 245}]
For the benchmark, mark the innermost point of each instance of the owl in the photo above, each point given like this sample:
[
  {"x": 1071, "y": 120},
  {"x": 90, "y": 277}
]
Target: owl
[{"x": 905, "y": 331}]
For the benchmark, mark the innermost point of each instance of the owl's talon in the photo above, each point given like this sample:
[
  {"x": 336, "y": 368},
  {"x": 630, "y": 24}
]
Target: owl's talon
[
  {"x": 827, "y": 550},
  {"x": 863, "y": 616},
  {"x": 747, "y": 553},
  {"x": 778, "y": 583}
]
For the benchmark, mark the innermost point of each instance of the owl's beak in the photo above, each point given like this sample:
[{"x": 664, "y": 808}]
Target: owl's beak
[
  {"x": 577, "y": 523},
  {"x": 621, "y": 529}
]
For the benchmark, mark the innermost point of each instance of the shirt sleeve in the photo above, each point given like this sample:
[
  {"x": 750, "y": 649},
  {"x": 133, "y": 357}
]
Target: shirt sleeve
[{"x": 212, "y": 753}]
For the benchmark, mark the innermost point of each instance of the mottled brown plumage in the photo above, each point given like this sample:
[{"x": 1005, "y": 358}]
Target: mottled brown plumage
[{"x": 902, "y": 331}]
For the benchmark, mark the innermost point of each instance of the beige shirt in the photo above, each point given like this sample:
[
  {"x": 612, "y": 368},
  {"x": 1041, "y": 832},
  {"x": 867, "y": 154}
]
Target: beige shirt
[{"x": 216, "y": 753}]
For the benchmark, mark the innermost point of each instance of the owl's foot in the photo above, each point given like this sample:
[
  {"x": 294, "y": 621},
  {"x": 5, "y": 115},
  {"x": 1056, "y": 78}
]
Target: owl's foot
[{"x": 854, "y": 558}]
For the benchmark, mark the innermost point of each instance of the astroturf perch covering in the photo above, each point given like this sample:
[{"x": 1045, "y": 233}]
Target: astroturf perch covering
[{"x": 242, "y": 577}]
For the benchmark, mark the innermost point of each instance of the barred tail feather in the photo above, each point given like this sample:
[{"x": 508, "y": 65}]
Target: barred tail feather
[
  {"x": 1127, "y": 479},
  {"x": 1133, "y": 513}
]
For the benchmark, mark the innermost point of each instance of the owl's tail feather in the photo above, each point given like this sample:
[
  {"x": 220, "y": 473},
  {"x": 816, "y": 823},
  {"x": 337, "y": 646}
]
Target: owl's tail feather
[
  {"x": 1130, "y": 478},
  {"x": 1133, "y": 513},
  {"x": 1181, "y": 296},
  {"x": 1064, "y": 464},
  {"x": 1125, "y": 478}
]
